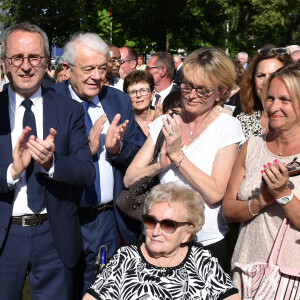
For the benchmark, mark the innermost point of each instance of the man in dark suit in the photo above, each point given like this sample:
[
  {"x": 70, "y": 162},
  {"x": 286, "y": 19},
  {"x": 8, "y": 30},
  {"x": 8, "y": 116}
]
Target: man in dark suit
[
  {"x": 178, "y": 69},
  {"x": 114, "y": 141},
  {"x": 43, "y": 169}
]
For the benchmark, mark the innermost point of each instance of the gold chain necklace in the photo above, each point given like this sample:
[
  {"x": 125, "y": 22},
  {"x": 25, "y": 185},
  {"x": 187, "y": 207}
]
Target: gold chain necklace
[
  {"x": 193, "y": 134},
  {"x": 164, "y": 269}
]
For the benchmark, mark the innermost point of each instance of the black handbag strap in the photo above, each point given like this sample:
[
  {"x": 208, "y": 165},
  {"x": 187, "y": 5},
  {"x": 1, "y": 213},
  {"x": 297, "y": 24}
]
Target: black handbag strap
[{"x": 159, "y": 142}]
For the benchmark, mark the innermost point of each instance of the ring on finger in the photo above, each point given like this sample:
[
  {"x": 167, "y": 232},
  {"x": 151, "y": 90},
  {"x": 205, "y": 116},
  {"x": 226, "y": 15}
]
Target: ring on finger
[
  {"x": 171, "y": 132},
  {"x": 273, "y": 181}
]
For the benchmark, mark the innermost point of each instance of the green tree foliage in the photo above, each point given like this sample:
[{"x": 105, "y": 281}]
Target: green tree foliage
[
  {"x": 153, "y": 25},
  {"x": 59, "y": 18}
]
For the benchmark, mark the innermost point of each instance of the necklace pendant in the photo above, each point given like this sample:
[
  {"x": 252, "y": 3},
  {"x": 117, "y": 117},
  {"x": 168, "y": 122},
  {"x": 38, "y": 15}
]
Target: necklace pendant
[
  {"x": 163, "y": 272},
  {"x": 191, "y": 133}
]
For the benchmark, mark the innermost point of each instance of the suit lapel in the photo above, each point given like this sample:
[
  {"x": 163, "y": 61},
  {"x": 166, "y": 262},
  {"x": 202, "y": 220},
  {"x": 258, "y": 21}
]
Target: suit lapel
[
  {"x": 107, "y": 103},
  {"x": 5, "y": 131},
  {"x": 49, "y": 114}
]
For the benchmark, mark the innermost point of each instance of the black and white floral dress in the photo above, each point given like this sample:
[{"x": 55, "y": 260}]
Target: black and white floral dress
[
  {"x": 251, "y": 124},
  {"x": 128, "y": 276}
]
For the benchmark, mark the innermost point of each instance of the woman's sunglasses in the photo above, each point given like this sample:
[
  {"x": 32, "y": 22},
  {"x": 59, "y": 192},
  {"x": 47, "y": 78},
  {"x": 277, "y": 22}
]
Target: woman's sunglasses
[
  {"x": 166, "y": 225},
  {"x": 279, "y": 51}
]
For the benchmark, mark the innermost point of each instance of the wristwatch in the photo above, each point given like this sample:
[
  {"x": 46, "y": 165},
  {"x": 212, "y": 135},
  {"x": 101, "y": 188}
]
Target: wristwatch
[{"x": 285, "y": 199}]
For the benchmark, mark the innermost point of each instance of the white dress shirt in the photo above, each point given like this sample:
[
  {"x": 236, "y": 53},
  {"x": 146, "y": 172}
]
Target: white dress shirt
[
  {"x": 117, "y": 83},
  {"x": 163, "y": 94},
  {"x": 16, "y": 114},
  {"x": 106, "y": 169}
]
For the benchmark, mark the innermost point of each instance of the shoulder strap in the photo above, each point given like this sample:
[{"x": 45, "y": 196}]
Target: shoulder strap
[
  {"x": 159, "y": 142},
  {"x": 158, "y": 145},
  {"x": 281, "y": 238}
]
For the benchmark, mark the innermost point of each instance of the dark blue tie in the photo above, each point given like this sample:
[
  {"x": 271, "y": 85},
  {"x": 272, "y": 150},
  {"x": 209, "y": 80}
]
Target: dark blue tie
[
  {"x": 157, "y": 96},
  {"x": 35, "y": 193},
  {"x": 92, "y": 195}
]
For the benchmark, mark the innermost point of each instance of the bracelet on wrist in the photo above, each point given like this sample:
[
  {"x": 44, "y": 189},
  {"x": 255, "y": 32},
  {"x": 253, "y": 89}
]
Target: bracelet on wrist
[
  {"x": 249, "y": 208},
  {"x": 178, "y": 165}
]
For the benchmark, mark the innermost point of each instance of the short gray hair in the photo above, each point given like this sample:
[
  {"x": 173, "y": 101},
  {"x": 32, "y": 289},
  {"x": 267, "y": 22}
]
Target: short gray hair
[
  {"x": 90, "y": 40},
  {"x": 172, "y": 192},
  {"x": 28, "y": 28},
  {"x": 165, "y": 59},
  {"x": 243, "y": 53}
]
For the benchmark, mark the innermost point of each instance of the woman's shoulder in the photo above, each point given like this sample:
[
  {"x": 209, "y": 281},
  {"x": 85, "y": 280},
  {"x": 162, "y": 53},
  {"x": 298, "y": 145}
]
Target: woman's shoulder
[
  {"x": 198, "y": 251},
  {"x": 157, "y": 122},
  {"x": 127, "y": 250}
]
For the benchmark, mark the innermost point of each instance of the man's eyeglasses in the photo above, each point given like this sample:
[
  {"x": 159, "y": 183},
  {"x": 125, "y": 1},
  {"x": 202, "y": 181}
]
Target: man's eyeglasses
[
  {"x": 143, "y": 92},
  {"x": 17, "y": 61},
  {"x": 115, "y": 61},
  {"x": 127, "y": 60},
  {"x": 279, "y": 51},
  {"x": 166, "y": 225},
  {"x": 148, "y": 68},
  {"x": 201, "y": 92}
]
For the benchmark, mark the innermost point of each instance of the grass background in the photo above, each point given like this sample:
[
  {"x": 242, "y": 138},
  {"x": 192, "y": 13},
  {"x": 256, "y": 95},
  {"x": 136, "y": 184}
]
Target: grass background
[{"x": 26, "y": 291}]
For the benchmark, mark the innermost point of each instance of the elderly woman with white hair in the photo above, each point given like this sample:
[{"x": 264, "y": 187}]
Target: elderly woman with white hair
[{"x": 166, "y": 265}]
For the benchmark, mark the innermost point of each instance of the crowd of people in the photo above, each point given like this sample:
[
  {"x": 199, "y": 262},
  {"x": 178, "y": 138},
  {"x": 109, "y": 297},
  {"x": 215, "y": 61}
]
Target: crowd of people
[{"x": 72, "y": 139}]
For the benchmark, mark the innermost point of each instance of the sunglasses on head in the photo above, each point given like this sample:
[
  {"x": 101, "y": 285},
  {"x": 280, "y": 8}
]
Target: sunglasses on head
[
  {"x": 276, "y": 50},
  {"x": 166, "y": 225}
]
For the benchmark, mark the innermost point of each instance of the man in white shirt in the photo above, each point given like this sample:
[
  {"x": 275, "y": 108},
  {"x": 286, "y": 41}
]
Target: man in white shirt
[
  {"x": 161, "y": 66},
  {"x": 114, "y": 141},
  {"x": 45, "y": 161},
  {"x": 129, "y": 61},
  {"x": 242, "y": 57},
  {"x": 113, "y": 77},
  {"x": 178, "y": 65}
]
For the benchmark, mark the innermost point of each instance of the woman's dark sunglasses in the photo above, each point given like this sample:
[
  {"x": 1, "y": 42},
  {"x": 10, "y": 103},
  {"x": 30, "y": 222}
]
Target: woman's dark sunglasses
[
  {"x": 279, "y": 51},
  {"x": 166, "y": 225}
]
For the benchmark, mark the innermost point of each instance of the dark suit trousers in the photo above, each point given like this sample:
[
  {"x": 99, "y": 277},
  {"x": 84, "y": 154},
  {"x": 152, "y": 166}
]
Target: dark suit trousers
[
  {"x": 96, "y": 231},
  {"x": 31, "y": 249}
]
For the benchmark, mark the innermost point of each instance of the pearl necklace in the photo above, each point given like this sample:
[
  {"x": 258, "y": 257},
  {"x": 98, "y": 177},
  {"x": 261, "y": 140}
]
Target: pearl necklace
[{"x": 193, "y": 134}]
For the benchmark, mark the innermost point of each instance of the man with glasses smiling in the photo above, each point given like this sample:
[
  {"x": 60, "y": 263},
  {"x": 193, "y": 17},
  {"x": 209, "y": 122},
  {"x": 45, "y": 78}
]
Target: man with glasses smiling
[
  {"x": 114, "y": 141},
  {"x": 45, "y": 162},
  {"x": 112, "y": 77}
]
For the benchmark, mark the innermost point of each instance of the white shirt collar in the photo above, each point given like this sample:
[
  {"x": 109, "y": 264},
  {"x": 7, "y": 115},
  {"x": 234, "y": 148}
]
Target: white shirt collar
[
  {"x": 36, "y": 98},
  {"x": 74, "y": 96},
  {"x": 163, "y": 94},
  {"x": 179, "y": 66}
]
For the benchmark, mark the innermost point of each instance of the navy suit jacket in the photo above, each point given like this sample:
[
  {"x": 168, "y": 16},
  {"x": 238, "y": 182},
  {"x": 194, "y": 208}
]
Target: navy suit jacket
[
  {"x": 114, "y": 101},
  {"x": 73, "y": 170}
]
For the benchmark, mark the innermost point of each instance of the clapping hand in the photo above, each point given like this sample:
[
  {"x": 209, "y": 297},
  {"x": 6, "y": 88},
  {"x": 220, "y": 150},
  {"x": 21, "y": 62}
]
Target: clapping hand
[
  {"x": 276, "y": 176},
  {"x": 114, "y": 135},
  {"x": 95, "y": 134},
  {"x": 21, "y": 156},
  {"x": 42, "y": 150},
  {"x": 172, "y": 132}
]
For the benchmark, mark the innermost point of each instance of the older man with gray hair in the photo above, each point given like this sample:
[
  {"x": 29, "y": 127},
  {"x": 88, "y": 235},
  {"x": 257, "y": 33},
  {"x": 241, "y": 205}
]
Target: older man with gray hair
[
  {"x": 242, "y": 57},
  {"x": 114, "y": 141}
]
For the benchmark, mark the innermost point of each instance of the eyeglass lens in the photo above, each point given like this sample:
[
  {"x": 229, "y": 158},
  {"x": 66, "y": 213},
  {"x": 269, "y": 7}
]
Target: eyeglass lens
[
  {"x": 168, "y": 226},
  {"x": 115, "y": 61},
  {"x": 143, "y": 92}
]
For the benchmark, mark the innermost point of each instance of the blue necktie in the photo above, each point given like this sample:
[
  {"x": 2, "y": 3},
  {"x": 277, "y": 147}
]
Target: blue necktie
[
  {"x": 92, "y": 195},
  {"x": 157, "y": 96},
  {"x": 35, "y": 193}
]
